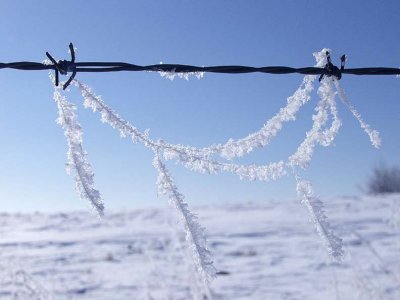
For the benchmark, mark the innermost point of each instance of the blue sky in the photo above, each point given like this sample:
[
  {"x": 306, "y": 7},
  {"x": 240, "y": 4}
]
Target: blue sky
[{"x": 195, "y": 112}]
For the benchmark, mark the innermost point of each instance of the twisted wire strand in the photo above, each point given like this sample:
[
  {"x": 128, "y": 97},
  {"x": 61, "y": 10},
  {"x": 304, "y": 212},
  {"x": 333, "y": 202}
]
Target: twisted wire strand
[{"x": 99, "y": 67}]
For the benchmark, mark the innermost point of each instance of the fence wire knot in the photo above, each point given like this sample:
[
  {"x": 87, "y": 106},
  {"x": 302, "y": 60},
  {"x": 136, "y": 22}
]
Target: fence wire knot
[
  {"x": 331, "y": 69},
  {"x": 64, "y": 66}
]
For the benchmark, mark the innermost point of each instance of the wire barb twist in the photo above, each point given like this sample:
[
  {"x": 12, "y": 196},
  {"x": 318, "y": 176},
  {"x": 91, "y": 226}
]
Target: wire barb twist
[
  {"x": 331, "y": 69},
  {"x": 64, "y": 66}
]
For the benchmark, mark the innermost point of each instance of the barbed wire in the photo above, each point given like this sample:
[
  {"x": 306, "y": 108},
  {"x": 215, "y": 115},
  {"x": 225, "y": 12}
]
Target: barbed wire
[{"x": 64, "y": 67}]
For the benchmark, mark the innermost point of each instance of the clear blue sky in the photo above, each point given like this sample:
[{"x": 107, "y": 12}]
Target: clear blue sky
[{"x": 195, "y": 112}]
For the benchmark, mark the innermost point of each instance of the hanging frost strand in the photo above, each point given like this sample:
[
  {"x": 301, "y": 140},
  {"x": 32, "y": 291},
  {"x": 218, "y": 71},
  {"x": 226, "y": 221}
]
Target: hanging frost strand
[
  {"x": 373, "y": 134},
  {"x": 194, "y": 232},
  {"x": 318, "y": 217},
  {"x": 76, "y": 155},
  {"x": 317, "y": 134}
]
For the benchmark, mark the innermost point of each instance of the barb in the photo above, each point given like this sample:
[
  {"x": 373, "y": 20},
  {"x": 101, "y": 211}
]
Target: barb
[
  {"x": 333, "y": 70},
  {"x": 64, "y": 66}
]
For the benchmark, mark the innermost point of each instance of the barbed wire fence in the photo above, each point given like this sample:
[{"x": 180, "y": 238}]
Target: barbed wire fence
[
  {"x": 65, "y": 67},
  {"x": 202, "y": 159}
]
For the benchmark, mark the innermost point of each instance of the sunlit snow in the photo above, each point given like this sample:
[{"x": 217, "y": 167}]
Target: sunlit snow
[{"x": 261, "y": 251}]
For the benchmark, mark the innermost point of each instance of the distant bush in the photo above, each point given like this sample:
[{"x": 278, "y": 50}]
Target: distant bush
[{"x": 384, "y": 180}]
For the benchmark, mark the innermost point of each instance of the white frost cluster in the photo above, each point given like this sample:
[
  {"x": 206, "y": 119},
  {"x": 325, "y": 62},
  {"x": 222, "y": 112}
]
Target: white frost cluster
[
  {"x": 76, "y": 155},
  {"x": 194, "y": 232},
  {"x": 172, "y": 74},
  {"x": 183, "y": 75}
]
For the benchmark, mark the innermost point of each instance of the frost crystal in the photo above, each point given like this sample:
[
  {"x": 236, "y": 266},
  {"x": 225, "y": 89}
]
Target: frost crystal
[
  {"x": 183, "y": 75},
  {"x": 76, "y": 155},
  {"x": 172, "y": 74}
]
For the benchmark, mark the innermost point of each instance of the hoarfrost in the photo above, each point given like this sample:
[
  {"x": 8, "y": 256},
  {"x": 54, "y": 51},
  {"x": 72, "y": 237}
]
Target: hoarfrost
[
  {"x": 192, "y": 158},
  {"x": 183, "y": 75}
]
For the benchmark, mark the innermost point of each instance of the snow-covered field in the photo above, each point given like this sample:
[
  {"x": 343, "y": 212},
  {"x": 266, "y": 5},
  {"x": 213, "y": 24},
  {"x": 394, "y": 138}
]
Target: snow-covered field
[{"x": 262, "y": 251}]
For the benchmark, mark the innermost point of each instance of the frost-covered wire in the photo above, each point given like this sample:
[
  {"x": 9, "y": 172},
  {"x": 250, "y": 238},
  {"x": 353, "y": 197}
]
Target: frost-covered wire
[
  {"x": 373, "y": 134},
  {"x": 316, "y": 209},
  {"x": 194, "y": 232},
  {"x": 201, "y": 164},
  {"x": 193, "y": 158},
  {"x": 76, "y": 155},
  {"x": 303, "y": 155}
]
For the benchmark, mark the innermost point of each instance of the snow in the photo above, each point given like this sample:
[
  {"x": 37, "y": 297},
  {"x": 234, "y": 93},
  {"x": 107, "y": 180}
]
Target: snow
[{"x": 261, "y": 251}]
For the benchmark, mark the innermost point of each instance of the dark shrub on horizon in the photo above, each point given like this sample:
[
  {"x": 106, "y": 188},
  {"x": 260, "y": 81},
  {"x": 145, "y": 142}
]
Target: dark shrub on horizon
[{"x": 384, "y": 180}]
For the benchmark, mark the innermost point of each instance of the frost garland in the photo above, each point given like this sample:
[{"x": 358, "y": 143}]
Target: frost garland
[{"x": 193, "y": 158}]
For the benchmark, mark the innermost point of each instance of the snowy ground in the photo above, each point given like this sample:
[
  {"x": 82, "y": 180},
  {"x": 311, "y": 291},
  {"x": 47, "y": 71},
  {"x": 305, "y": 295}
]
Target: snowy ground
[{"x": 267, "y": 251}]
